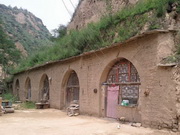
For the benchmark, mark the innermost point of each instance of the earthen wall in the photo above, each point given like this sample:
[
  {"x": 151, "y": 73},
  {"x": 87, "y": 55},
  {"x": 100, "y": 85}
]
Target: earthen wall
[{"x": 156, "y": 109}]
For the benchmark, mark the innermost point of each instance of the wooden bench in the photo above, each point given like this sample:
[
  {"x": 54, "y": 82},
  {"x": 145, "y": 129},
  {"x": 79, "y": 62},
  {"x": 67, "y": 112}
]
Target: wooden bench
[{"x": 42, "y": 105}]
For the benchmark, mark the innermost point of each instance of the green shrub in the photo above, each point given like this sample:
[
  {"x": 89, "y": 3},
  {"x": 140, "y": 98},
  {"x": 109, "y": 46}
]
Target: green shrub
[
  {"x": 28, "y": 105},
  {"x": 9, "y": 96},
  {"x": 154, "y": 26}
]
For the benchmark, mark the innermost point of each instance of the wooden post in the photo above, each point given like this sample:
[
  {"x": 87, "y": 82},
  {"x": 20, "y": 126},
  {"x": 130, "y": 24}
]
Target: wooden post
[
  {"x": 103, "y": 101},
  {"x": 0, "y": 106}
]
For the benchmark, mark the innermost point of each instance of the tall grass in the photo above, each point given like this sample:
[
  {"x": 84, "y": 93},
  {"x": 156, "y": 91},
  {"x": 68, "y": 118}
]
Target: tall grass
[{"x": 28, "y": 105}]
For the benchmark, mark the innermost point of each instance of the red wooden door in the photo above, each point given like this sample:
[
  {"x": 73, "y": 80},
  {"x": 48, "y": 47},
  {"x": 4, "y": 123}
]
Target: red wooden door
[{"x": 112, "y": 101}]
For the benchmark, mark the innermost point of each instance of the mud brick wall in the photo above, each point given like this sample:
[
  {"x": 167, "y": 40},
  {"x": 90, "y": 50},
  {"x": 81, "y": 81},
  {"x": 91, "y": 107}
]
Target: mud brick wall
[
  {"x": 158, "y": 109},
  {"x": 176, "y": 72}
]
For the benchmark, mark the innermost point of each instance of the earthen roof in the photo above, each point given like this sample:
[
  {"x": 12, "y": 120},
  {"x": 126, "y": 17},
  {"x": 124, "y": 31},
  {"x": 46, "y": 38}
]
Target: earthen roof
[{"x": 101, "y": 49}]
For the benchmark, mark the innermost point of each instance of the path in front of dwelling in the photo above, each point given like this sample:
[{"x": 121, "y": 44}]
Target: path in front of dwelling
[{"x": 56, "y": 122}]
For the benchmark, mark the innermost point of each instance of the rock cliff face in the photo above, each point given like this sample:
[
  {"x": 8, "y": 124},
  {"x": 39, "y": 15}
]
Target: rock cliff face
[
  {"x": 26, "y": 30},
  {"x": 1, "y": 73},
  {"x": 92, "y": 10}
]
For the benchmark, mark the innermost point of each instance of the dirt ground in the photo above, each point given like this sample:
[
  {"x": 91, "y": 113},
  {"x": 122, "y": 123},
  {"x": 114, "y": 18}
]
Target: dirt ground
[{"x": 56, "y": 122}]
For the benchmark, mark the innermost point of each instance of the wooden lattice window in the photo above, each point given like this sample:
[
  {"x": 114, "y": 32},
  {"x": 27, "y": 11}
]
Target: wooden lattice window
[
  {"x": 72, "y": 88},
  {"x": 124, "y": 73}
]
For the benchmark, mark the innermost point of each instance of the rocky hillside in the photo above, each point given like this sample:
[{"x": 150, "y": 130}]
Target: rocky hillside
[
  {"x": 114, "y": 27},
  {"x": 92, "y": 10},
  {"x": 26, "y": 30},
  {"x": 89, "y": 11},
  {"x": 9, "y": 54}
]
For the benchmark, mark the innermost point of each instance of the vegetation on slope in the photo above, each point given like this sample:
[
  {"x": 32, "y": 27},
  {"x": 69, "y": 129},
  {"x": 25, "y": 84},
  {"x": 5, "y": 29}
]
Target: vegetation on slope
[
  {"x": 129, "y": 22},
  {"x": 23, "y": 27},
  {"x": 9, "y": 55}
]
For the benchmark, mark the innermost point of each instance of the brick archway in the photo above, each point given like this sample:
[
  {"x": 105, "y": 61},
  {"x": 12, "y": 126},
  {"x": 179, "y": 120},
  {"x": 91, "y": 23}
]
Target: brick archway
[
  {"x": 68, "y": 84},
  {"x": 17, "y": 87},
  {"x": 28, "y": 89},
  {"x": 124, "y": 74},
  {"x": 72, "y": 88},
  {"x": 121, "y": 74},
  {"x": 44, "y": 89}
]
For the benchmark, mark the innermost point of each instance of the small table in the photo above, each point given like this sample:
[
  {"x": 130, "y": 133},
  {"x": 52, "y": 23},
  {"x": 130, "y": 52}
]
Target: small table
[{"x": 42, "y": 105}]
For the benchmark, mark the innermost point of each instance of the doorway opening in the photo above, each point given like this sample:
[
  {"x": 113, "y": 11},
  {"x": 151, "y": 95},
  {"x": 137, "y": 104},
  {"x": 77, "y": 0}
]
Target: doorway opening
[
  {"x": 72, "y": 89},
  {"x": 123, "y": 86},
  {"x": 28, "y": 89}
]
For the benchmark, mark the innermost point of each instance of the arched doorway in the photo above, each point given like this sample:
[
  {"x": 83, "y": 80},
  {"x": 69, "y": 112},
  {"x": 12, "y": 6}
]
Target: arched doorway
[
  {"x": 123, "y": 86},
  {"x": 44, "y": 89},
  {"x": 72, "y": 89},
  {"x": 17, "y": 87},
  {"x": 28, "y": 89}
]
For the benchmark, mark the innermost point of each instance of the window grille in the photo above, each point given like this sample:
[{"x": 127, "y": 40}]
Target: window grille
[{"x": 124, "y": 73}]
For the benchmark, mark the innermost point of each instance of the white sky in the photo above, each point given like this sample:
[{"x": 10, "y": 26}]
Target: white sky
[{"x": 51, "y": 12}]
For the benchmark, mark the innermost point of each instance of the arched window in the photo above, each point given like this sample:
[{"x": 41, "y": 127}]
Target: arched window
[
  {"x": 124, "y": 74},
  {"x": 28, "y": 89},
  {"x": 44, "y": 88},
  {"x": 72, "y": 88},
  {"x": 17, "y": 87}
]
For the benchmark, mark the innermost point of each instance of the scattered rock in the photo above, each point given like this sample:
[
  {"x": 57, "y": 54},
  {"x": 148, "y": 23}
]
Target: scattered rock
[
  {"x": 16, "y": 106},
  {"x": 122, "y": 119},
  {"x": 164, "y": 125},
  {"x": 73, "y": 109},
  {"x": 174, "y": 130},
  {"x": 159, "y": 127},
  {"x": 175, "y": 126},
  {"x": 118, "y": 126},
  {"x": 18, "y": 101},
  {"x": 136, "y": 124}
]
